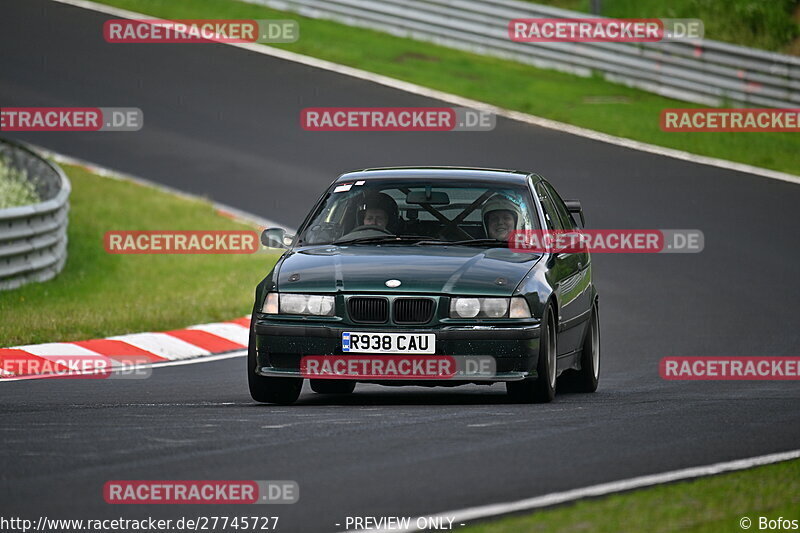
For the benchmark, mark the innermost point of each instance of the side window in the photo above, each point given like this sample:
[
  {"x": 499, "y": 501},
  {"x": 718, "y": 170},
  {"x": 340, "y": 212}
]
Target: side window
[
  {"x": 563, "y": 213},
  {"x": 550, "y": 213}
]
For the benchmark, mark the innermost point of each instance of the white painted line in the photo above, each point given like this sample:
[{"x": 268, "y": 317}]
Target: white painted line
[
  {"x": 548, "y": 500},
  {"x": 232, "y": 332},
  {"x": 163, "y": 345},
  {"x": 466, "y": 102},
  {"x": 209, "y": 359}
]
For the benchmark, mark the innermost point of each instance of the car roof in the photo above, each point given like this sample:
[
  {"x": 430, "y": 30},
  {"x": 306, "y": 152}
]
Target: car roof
[{"x": 435, "y": 172}]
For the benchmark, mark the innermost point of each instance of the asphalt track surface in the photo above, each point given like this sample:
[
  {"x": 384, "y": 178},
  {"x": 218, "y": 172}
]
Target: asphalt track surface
[{"x": 224, "y": 122}]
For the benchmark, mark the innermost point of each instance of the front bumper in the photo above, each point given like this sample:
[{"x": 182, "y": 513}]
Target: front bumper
[
  {"x": 497, "y": 377},
  {"x": 280, "y": 345}
]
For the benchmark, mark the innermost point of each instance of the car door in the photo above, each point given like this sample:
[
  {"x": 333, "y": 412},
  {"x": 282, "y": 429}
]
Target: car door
[{"x": 568, "y": 273}]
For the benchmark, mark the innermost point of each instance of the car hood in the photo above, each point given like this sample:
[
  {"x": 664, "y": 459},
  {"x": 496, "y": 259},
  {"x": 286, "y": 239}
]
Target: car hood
[{"x": 420, "y": 269}]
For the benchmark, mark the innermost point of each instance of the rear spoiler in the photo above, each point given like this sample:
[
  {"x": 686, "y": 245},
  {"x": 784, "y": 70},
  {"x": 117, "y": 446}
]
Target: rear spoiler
[{"x": 574, "y": 206}]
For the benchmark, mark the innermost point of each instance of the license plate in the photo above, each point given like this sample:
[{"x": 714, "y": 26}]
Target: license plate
[{"x": 419, "y": 343}]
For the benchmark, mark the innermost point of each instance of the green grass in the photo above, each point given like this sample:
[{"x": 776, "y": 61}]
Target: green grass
[
  {"x": 100, "y": 294},
  {"x": 589, "y": 102},
  {"x": 767, "y": 24},
  {"x": 707, "y": 505}
]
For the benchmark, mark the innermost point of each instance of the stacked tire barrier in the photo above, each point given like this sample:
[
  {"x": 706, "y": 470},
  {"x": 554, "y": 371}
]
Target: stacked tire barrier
[
  {"x": 705, "y": 72},
  {"x": 33, "y": 238}
]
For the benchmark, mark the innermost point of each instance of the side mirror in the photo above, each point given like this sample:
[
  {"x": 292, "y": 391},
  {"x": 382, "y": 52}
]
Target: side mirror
[
  {"x": 574, "y": 207},
  {"x": 276, "y": 238},
  {"x": 567, "y": 242}
]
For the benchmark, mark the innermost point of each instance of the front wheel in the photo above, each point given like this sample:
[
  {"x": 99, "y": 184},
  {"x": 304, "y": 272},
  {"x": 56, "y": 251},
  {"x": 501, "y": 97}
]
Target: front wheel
[
  {"x": 541, "y": 389},
  {"x": 283, "y": 391}
]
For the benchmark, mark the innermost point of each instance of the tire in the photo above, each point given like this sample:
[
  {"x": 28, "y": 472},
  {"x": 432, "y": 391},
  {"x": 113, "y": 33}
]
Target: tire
[
  {"x": 588, "y": 376},
  {"x": 332, "y": 386},
  {"x": 541, "y": 389},
  {"x": 283, "y": 391}
]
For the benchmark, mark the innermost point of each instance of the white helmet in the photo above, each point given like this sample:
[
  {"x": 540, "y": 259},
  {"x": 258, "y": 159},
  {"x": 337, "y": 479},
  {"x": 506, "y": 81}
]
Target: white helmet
[{"x": 499, "y": 202}]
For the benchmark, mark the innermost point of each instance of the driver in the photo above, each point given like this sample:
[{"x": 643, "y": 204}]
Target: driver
[
  {"x": 381, "y": 211},
  {"x": 500, "y": 216}
]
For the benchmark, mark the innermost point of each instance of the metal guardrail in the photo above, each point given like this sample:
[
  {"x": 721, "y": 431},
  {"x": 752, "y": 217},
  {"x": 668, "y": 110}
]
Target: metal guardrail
[
  {"x": 709, "y": 72},
  {"x": 33, "y": 238}
]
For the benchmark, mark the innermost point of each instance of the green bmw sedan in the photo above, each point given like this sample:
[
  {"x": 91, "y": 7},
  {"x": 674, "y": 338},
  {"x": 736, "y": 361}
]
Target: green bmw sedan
[{"x": 410, "y": 276}]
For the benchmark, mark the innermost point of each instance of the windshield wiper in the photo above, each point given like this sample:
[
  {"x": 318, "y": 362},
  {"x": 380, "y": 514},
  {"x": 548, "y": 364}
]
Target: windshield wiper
[
  {"x": 420, "y": 240},
  {"x": 383, "y": 239},
  {"x": 467, "y": 242}
]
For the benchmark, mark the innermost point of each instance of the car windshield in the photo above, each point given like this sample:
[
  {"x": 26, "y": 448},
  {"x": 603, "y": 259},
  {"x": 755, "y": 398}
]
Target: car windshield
[{"x": 432, "y": 212}]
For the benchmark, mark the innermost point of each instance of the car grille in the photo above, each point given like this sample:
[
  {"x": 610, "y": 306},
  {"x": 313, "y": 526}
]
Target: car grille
[
  {"x": 368, "y": 310},
  {"x": 413, "y": 310}
]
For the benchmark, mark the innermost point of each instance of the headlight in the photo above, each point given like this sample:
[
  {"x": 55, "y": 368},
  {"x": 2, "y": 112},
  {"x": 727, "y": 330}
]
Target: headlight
[
  {"x": 495, "y": 307},
  {"x": 298, "y": 304},
  {"x": 293, "y": 304},
  {"x": 465, "y": 307},
  {"x": 320, "y": 305},
  {"x": 515, "y": 307}
]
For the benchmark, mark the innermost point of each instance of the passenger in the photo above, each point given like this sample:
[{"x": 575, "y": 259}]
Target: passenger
[{"x": 500, "y": 217}]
